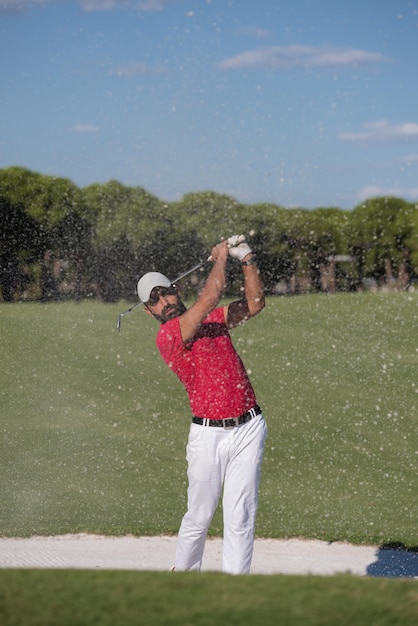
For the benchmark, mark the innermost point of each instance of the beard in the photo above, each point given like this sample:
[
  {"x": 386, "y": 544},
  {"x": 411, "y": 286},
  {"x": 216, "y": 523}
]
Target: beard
[{"x": 171, "y": 311}]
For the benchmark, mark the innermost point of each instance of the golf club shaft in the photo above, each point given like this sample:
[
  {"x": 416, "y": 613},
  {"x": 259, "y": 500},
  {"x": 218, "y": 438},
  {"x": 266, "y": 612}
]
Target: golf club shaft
[{"x": 193, "y": 269}]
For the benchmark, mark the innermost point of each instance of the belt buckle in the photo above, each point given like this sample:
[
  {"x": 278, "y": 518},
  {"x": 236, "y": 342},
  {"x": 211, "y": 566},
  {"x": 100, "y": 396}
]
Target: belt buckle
[
  {"x": 252, "y": 413},
  {"x": 234, "y": 421}
]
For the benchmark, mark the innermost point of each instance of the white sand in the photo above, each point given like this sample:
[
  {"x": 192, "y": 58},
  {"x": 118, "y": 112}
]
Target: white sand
[{"x": 271, "y": 556}]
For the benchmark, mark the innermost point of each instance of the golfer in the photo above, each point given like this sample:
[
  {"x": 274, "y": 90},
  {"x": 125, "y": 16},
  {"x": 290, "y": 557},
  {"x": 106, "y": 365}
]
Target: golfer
[{"x": 227, "y": 433}]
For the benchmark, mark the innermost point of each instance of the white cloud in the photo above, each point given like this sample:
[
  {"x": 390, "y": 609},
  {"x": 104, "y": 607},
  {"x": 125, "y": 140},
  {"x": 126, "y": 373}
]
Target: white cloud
[
  {"x": 107, "y": 5},
  {"x": 383, "y": 131},
  {"x": 101, "y": 5},
  {"x": 84, "y": 129},
  {"x": 371, "y": 191},
  {"x": 14, "y": 7},
  {"x": 409, "y": 159},
  {"x": 286, "y": 57},
  {"x": 153, "y": 5}
]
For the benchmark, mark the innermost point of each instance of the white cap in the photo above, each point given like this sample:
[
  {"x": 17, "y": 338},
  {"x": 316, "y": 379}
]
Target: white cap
[{"x": 147, "y": 283}]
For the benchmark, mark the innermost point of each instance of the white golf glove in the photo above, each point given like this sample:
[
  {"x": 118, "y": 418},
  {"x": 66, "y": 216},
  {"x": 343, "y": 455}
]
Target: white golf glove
[{"x": 238, "y": 247}]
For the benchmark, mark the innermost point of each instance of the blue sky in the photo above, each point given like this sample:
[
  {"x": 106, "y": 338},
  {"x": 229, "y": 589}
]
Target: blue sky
[{"x": 300, "y": 102}]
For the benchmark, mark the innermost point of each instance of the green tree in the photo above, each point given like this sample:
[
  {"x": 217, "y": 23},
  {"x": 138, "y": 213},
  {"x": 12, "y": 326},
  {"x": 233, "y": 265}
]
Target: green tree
[
  {"x": 61, "y": 240},
  {"x": 296, "y": 237},
  {"x": 52, "y": 204},
  {"x": 263, "y": 225},
  {"x": 18, "y": 237},
  {"x": 72, "y": 237},
  {"x": 129, "y": 221},
  {"x": 213, "y": 216},
  {"x": 382, "y": 238},
  {"x": 122, "y": 211},
  {"x": 325, "y": 242}
]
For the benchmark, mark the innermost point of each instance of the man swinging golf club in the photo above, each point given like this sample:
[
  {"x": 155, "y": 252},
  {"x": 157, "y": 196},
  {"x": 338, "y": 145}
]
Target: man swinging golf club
[{"x": 227, "y": 433}]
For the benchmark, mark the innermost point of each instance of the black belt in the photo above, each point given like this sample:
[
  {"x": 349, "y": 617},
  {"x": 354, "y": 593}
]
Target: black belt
[{"x": 229, "y": 422}]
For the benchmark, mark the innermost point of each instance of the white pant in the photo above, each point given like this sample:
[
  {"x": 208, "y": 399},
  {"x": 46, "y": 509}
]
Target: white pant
[{"x": 232, "y": 458}]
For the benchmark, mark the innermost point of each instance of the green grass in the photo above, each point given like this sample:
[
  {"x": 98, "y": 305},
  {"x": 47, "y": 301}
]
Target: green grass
[
  {"x": 93, "y": 430},
  {"x": 87, "y": 598},
  {"x": 94, "y": 425}
]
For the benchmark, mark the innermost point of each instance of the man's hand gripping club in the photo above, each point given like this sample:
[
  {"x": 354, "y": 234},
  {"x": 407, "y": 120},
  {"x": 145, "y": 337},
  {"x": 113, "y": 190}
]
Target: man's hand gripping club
[{"x": 238, "y": 247}]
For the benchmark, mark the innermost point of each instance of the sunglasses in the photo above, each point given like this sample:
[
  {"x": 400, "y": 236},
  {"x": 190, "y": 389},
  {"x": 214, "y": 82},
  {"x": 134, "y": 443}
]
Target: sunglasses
[{"x": 159, "y": 292}]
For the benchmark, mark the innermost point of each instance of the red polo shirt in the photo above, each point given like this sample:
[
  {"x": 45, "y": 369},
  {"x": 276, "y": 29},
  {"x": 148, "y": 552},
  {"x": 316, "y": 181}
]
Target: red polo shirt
[{"x": 209, "y": 367}]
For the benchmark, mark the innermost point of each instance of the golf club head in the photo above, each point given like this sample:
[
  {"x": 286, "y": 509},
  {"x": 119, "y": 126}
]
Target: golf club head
[{"x": 119, "y": 320}]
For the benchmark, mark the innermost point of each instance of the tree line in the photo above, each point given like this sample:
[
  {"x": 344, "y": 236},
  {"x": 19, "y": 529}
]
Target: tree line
[{"x": 60, "y": 241}]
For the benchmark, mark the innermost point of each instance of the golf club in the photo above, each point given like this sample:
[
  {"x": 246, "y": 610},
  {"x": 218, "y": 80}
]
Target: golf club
[
  {"x": 232, "y": 242},
  {"x": 183, "y": 275}
]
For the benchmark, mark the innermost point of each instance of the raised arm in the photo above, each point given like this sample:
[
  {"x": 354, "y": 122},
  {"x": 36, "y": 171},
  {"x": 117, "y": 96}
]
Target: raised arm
[
  {"x": 212, "y": 292},
  {"x": 253, "y": 302}
]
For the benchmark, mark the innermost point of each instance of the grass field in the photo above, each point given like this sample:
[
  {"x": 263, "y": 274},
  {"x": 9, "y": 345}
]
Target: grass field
[
  {"x": 93, "y": 431},
  {"x": 94, "y": 424},
  {"x": 83, "y": 598}
]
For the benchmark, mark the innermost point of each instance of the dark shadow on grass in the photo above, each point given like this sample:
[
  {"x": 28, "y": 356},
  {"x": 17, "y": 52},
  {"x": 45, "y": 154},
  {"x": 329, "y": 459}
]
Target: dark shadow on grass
[{"x": 394, "y": 560}]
